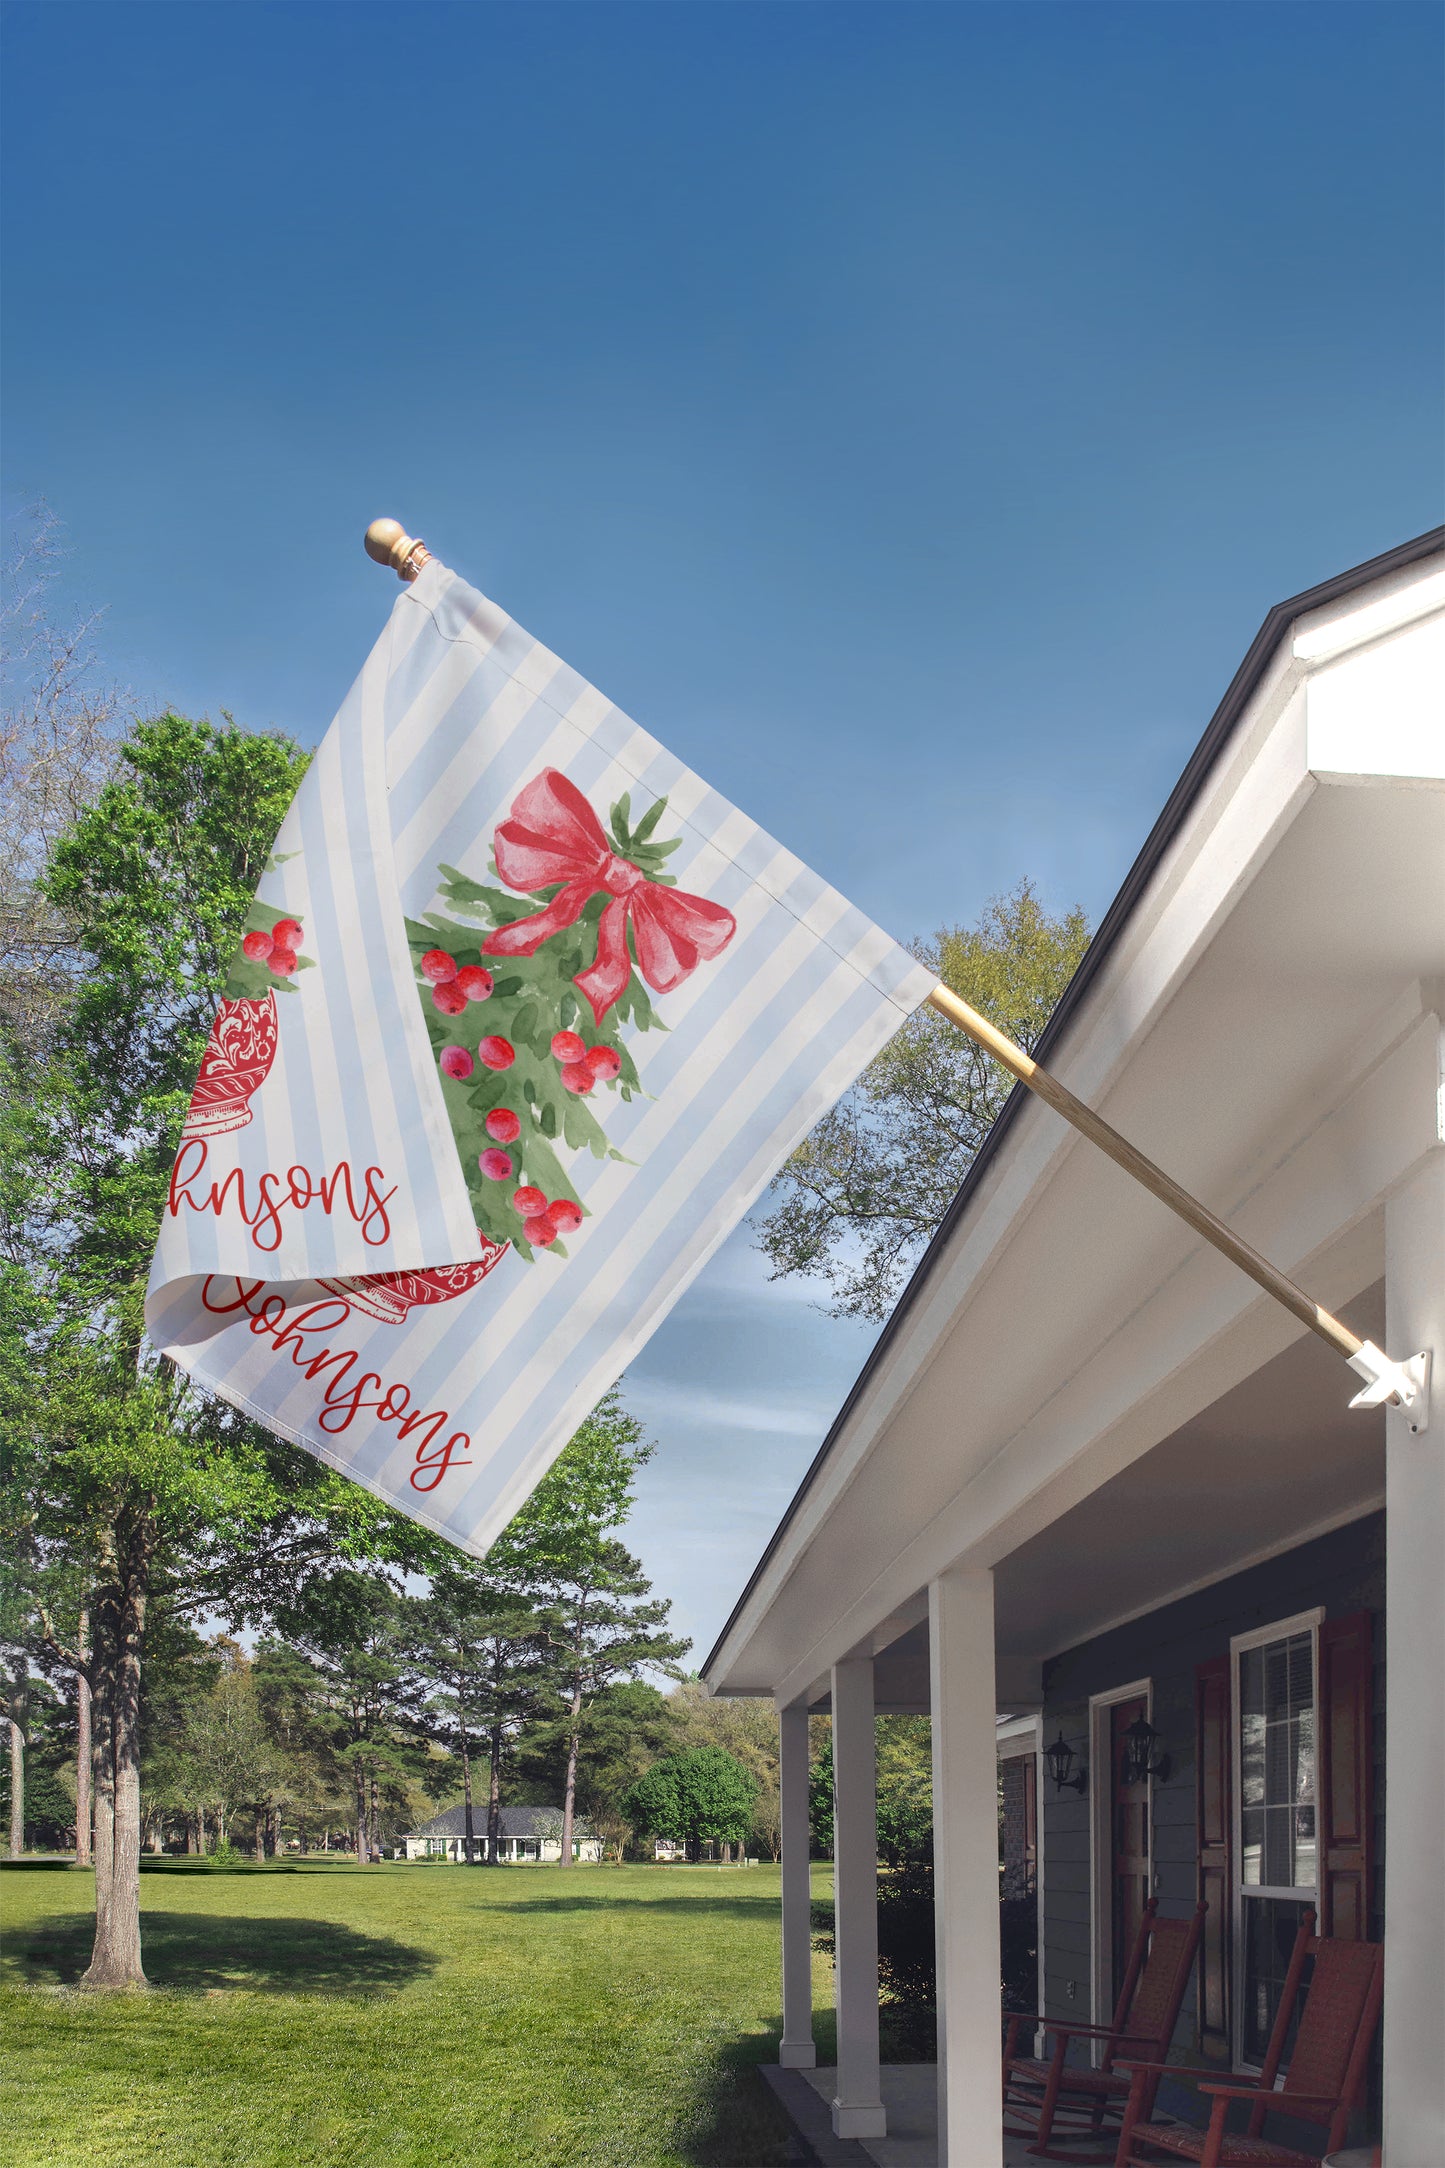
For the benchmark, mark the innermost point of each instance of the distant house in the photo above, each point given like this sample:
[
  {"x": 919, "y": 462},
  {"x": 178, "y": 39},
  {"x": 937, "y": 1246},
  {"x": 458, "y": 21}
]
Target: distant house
[{"x": 529, "y": 1835}]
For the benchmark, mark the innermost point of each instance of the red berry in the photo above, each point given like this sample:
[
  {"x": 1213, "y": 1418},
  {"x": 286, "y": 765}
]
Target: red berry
[
  {"x": 474, "y": 982},
  {"x": 257, "y": 946},
  {"x": 577, "y": 1077},
  {"x": 541, "y": 1229},
  {"x": 529, "y": 1201},
  {"x": 496, "y": 1166},
  {"x": 605, "y": 1063},
  {"x": 437, "y": 966},
  {"x": 565, "y": 1216},
  {"x": 502, "y": 1124},
  {"x": 497, "y": 1053},
  {"x": 282, "y": 962},
  {"x": 567, "y": 1046},
  {"x": 457, "y": 1062},
  {"x": 286, "y": 933},
  {"x": 448, "y": 1000}
]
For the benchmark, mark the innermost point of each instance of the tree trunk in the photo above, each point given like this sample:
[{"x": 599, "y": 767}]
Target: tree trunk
[
  {"x": 373, "y": 1827},
  {"x": 494, "y": 1798},
  {"x": 258, "y": 1842},
  {"x": 17, "y": 1776},
  {"x": 83, "y": 1831},
  {"x": 363, "y": 1854},
  {"x": 120, "y": 1628},
  {"x": 569, "y": 1795},
  {"x": 467, "y": 1797}
]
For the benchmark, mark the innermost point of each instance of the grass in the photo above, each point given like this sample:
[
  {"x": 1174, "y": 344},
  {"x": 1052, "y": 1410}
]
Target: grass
[{"x": 417, "y": 2017}]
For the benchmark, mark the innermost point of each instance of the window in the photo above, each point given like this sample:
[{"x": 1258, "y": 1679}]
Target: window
[
  {"x": 1277, "y": 1853},
  {"x": 436, "y": 1847}
]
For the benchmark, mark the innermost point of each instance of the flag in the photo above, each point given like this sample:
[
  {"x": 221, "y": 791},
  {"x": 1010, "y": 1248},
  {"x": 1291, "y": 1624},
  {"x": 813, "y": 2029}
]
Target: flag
[{"x": 523, "y": 1019}]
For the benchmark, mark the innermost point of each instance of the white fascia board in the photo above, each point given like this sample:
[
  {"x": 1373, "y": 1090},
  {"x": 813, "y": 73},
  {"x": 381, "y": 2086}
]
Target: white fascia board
[
  {"x": 1416, "y": 591},
  {"x": 1377, "y": 714}
]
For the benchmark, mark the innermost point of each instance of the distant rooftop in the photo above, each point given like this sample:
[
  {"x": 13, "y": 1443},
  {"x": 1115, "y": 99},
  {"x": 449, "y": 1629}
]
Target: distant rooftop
[{"x": 516, "y": 1822}]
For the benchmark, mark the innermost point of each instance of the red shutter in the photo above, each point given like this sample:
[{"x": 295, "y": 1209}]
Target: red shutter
[
  {"x": 1345, "y": 1768},
  {"x": 1215, "y": 1826}
]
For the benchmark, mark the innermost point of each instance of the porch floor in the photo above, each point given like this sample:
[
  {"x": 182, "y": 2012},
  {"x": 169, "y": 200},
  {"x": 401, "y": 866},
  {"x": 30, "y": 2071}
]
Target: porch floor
[{"x": 910, "y": 2096}]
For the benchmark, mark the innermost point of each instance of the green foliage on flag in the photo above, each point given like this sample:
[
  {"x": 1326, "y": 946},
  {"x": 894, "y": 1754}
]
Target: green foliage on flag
[{"x": 533, "y": 998}]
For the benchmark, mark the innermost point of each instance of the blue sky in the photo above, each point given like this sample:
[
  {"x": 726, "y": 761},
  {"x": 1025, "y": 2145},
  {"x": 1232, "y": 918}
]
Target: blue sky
[{"x": 907, "y": 412}]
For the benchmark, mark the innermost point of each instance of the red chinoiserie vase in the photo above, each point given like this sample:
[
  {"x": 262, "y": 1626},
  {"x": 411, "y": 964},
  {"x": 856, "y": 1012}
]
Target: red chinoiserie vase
[
  {"x": 390, "y": 1295},
  {"x": 238, "y": 1056}
]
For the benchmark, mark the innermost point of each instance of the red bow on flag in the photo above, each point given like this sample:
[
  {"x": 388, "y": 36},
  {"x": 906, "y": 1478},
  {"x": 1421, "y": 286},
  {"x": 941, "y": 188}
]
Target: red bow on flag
[{"x": 552, "y": 834}]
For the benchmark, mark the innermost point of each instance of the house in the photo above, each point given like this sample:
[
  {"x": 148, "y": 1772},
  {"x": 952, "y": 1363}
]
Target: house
[
  {"x": 529, "y": 1834},
  {"x": 1094, "y": 1482}
]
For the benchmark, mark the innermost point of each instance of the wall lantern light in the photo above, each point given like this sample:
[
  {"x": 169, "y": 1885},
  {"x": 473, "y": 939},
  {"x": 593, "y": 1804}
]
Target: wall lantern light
[
  {"x": 1141, "y": 1761},
  {"x": 1060, "y": 1758}
]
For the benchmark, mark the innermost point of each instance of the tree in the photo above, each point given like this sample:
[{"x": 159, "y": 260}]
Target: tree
[
  {"x": 58, "y": 737},
  {"x": 480, "y": 1639},
  {"x": 702, "y": 1793},
  {"x": 591, "y": 1592},
  {"x": 361, "y": 1635},
  {"x": 747, "y": 1727},
  {"x": 863, "y": 1193},
  {"x": 625, "y": 1728},
  {"x": 155, "y": 1488},
  {"x": 224, "y": 1739},
  {"x": 904, "y": 1790}
]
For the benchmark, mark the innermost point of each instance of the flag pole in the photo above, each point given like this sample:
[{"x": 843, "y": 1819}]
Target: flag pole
[
  {"x": 388, "y": 543},
  {"x": 1386, "y": 1380}
]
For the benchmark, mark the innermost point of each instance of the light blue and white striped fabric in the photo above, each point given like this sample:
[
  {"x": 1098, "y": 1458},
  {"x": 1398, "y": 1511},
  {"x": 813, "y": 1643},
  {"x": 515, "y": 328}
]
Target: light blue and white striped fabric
[{"x": 454, "y": 1410}]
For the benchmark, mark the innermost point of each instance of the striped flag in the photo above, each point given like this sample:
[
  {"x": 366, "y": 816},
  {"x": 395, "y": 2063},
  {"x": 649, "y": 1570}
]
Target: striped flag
[{"x": 524, "y": 1018}]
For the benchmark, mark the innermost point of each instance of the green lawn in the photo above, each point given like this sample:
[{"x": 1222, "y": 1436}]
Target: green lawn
[{"x": 411, "y": 2016}]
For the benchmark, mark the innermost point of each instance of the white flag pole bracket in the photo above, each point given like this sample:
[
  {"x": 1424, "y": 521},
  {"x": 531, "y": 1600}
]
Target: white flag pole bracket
[{"x": 1407, "y": 1384}]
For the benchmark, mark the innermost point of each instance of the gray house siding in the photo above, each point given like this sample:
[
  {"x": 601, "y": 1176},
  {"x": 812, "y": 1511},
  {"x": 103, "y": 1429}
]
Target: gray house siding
[{"x": 1343, "y": 1571}]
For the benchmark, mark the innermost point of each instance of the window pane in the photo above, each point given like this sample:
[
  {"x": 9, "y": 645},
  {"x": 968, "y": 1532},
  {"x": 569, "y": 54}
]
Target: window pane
[
  {"x": 1277, "y": 1763},
  {"x": 1279, "y": 1847},
  {"x": 1304, "y": 1848},
  {"x": 1270, "y": 1927}
]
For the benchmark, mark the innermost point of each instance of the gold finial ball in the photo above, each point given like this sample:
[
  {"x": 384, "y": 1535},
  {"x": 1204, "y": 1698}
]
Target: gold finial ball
[{"x": 382, "y": 537}]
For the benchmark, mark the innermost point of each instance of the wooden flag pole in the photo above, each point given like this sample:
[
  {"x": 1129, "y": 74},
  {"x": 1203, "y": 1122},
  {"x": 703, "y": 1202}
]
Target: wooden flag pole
[
  {"x": 1164, "y": 1187},
  {"x": 387, "y": 543},
  {"x": 1403, "y": 1382}
]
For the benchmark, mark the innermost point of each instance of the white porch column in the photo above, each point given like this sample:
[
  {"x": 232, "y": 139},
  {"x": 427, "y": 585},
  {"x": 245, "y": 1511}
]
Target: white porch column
[
  {"x": 795, "y": 2050},
  {"x": 858, "y": 2104},
  {"x": 1414, "y": 2022},
  {"x": 965, "y": 1867}
]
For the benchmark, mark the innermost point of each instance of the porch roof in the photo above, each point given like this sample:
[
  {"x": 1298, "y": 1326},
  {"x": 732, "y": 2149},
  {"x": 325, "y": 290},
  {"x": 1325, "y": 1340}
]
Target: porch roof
[{"x": 1069, "y": 1365}]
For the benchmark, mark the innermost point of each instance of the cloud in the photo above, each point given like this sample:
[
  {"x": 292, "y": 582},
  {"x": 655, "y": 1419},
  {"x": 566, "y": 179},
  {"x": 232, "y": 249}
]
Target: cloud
[{"x": 702, "y": 1407}]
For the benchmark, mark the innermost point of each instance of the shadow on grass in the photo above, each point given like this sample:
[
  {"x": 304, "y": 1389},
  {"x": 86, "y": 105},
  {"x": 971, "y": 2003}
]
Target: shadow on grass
[
  {"x": 735, "y": 2120},
  {"x": 745, "y": 1908},
  {"x": 197, "y": 1951}
]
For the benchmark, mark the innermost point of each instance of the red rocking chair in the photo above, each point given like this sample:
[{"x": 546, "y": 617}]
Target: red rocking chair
[
  {"x": 1057, "y": 2103},
  {"x": 1323, "y": 2084}
]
